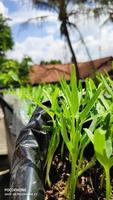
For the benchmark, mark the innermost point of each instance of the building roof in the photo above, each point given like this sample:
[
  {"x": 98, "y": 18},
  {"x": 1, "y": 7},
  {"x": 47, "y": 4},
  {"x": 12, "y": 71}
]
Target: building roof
[
  {"x": 53, "y": 73},
  {"x": 49, "y": 73},
  {"x": 86, "y": 69}
]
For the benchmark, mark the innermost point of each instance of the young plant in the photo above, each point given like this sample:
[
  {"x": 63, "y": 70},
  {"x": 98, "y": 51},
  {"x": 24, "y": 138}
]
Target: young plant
[
  {"x": 72, "y": 121},
  {"x": 102, "y": 140},
  {"x": 68, "y": 119},
  {"x": 30, "y": 96}
]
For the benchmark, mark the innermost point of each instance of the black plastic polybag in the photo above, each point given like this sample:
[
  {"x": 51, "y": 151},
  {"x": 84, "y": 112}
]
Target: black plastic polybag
[{"x": 28, "y": 161}]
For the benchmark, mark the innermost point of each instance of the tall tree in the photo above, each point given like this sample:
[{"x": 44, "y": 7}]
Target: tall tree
[
  {"x": 61, "y": 7},
  {"x": 6, "y": 41}
]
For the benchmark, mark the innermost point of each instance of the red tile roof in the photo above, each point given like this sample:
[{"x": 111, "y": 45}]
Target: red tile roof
[
  {"x": 53, "y": 73},
  {"x": 99, "y": 65},
  {"x": 49, "y": 73}
]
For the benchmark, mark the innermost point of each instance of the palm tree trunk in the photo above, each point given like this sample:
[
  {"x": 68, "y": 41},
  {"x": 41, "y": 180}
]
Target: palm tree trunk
[{"x": 71, "y": 49}]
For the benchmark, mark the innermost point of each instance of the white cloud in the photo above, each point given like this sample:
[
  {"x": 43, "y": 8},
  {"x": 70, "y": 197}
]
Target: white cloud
[
  {"x": 52, "y": 29},
  {"x": 3, "y": 9},
  {"x": 99, "y": 44},
  {"x": 98, "y": 41},
  {"x": 48, "y": 48},
  {"x": 40, "y": 49}
]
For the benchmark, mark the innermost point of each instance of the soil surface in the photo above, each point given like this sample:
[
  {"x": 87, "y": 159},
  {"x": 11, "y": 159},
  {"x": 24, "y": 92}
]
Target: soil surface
[{"x": 90, "y": 186}]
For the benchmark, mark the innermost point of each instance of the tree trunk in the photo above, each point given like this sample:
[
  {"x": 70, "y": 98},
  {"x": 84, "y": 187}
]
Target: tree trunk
[{"x": 71, "y": 49}]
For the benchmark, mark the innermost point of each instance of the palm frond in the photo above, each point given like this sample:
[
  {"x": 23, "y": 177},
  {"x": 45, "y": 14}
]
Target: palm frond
[
  {"x": 37, "y": 18},
  {"x": 26, "y": 23},
  {"x": 73, "y": 12},
  {"x": 82, "y": 40},
  {"x": 105, "y": 22},
  {"x": 46, "y": 5}
]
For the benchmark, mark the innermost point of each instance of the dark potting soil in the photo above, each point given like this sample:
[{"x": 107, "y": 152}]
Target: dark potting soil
[{"x": 90, "y": 186}]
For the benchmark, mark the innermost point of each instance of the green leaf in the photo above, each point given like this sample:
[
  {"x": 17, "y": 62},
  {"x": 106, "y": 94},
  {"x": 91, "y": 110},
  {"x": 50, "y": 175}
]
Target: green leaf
[
  {"x": 90, "y": 104},
  {"x": 65, "y": 135},
  {"x": 102, "y": 159},
  {"x": 84, "y": 140},
  {"x": 55, "y": 99},
  {"x": 53, "y": 144},
  {"x": 106, "y": 121},
  {"x": 111, "y": 162},
  {"x": 90, "y": 86},
  {"x": 109, "y": 89},
  {"x": 74, "y": 92},
  {"x": 94, "y": 123},
  {"x": 66, "y": 91},
  {"x": 15, "y": 77},
  {"x": 90, "y": 135},
  {"x": 99, "y": 141},
  {"x": 104, "y": 102},
  {"x": 108, "y": 147}
]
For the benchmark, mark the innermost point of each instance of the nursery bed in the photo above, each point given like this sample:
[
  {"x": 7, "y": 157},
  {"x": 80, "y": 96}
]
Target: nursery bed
[
  {"x": 90, "y": 186},
  {"x": 78, "y": 121}
]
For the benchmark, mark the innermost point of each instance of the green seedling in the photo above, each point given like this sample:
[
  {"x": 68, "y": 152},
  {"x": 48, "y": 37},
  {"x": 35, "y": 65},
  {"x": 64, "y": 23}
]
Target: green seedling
[
  {"x": 30, "y": 96},
  {"x": 68, "y": 119},
  {"x": 79, "y": 113},
  {"x": 102, "y": 141}
]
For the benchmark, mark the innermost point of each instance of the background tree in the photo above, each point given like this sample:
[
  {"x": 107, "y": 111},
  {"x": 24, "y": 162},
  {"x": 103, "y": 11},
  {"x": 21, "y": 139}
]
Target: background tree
[
  {"x": 61, "y": 7},
  {"x": 50, "y": 62},
  {"x": 6, "y": 41},
  {"x": 15, "y": 73},
  {"x": 9, "y": 72},
  {"x": 24, "y": 67}
]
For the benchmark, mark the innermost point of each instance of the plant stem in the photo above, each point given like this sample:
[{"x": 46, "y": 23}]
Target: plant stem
[
  {"x": 102, "y": 180},
  {"x": 108, "y": 185},
  {"x": 90, "y": 164},
  {"x": 72, "y": 179}
]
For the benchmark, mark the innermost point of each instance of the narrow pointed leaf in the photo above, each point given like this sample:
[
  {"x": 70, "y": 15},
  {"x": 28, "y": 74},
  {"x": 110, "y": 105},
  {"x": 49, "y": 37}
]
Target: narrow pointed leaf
[
  {"x": 90, "y": 104},
  {"x": 74, "y": 91},
  {"x": 90, "y": 135}
]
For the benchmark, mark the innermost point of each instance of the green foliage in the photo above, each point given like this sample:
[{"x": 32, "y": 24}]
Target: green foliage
[
  {"x": 53, "y": 62},
  {"x": 15, "y": 73},
  {"x": 103, "y": 146},
  {"x": 9, "y": 64},
  {"x": 68, "y": 120},
  {"x": 102, "y": 137},
  {"x": 24, "y": 67},
  {"x": 77, "y": 107},
  {"x": 32, "y": 95},
  {"x": 6, "y": 41},
  {"x": 9, "y": 72},
  {"x": 79, "y": 116}
]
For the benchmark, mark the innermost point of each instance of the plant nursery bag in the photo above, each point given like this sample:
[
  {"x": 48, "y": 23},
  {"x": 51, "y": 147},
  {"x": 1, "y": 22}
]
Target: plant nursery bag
[{"x": 26, "y": 180}]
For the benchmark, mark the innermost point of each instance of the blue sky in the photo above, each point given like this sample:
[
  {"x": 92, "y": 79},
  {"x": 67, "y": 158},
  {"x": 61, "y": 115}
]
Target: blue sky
[{"x": 42, "y": 41}]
